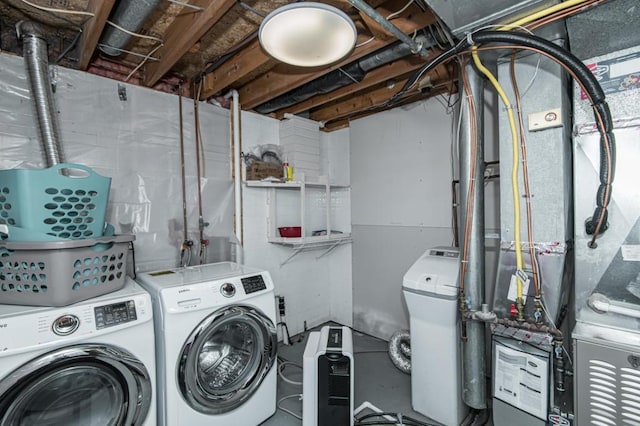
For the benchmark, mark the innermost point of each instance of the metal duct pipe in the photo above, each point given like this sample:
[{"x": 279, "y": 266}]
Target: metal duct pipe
[
  {"x": 130, "y": 15},
  {"x": 415, "y": 46},
  {"x": 34, "y": 47},
  {"x": 400, "y": 350},
  {"x": 473, "y": 361},
  {"x": 351, "y": 73}
]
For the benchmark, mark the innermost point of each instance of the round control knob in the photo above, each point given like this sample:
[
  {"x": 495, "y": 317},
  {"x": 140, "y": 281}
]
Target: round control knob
[
  {"x": 65, "y": 325},
  {"x": 228, "y": 289}
]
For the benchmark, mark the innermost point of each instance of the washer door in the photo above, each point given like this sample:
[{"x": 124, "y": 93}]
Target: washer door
[
  {"x": 226, "y": 358},
  {"x": 77, "y": 386}
]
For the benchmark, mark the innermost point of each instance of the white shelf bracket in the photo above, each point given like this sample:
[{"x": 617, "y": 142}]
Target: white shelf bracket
[
  {"x": 329, "y": 250},
  {"x": 291, "y": 256}
]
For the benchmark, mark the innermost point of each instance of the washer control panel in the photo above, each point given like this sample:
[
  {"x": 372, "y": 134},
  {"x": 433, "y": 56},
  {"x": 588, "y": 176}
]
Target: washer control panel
[
  {"x": 115, "y": 314},
  {"x": 253, "y": 284}
]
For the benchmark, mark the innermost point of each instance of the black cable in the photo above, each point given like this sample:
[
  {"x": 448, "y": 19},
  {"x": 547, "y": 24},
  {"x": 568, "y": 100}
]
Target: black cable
[
  {"x": 405, "y": 419},
  {"x": 597, "y": 223},
  {"x": 600, "y": 106}
]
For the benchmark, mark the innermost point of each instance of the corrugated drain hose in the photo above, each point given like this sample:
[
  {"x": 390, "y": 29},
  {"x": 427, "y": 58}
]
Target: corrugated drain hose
[{"x": 400, "y": 350}]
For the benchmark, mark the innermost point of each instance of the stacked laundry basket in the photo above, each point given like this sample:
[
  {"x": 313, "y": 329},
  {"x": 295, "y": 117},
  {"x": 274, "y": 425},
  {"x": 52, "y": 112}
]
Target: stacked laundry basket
[{"x": 55, "y": 247}]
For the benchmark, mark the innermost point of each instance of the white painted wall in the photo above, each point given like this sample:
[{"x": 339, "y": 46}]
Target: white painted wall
[
  {"x": 316, "y": 287},
  {"x": 401, "y": 180},
  {"x": 401, "y": 196},
  {"x": 135, "y": 142}
]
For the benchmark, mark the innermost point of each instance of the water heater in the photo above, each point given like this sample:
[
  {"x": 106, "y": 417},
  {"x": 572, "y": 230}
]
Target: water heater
[{"x": 327, "y": 388}]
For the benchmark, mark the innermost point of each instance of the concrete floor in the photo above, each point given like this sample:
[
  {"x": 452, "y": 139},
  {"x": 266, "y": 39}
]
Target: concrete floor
[{"x": 377, "y": 380}]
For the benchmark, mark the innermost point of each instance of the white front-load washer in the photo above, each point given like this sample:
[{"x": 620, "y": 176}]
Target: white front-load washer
[
  {"x": 216, "y": 344},
  {"x": 88, "y": 364}
]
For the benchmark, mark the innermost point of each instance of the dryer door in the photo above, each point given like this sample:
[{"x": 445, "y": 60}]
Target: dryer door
[
  {"x": 77, "y": 386},
  {"x": 226, "y": 358}
]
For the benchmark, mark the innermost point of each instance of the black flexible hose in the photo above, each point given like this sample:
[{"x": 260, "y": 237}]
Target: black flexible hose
[
  {"x": 586, "y": 79},
  {"x": 600, "y": 106}
]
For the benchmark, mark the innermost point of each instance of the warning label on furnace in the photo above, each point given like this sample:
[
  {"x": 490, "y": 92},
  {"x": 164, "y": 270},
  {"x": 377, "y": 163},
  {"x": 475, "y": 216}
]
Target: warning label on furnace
[
  {"x": 618, "y": 74},
  {"x": 521, "y": 379}
]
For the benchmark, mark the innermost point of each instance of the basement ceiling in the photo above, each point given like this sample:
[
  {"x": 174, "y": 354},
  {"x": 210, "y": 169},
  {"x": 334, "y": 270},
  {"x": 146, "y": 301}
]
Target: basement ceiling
[{"x": 209, "y": 47}]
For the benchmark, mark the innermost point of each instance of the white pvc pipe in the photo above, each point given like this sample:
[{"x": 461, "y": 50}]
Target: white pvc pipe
[{"x": 237, "y": 172}]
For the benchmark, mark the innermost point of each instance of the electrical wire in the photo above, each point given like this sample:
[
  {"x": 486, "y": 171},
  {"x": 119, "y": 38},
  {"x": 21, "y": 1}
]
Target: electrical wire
[
  {"x": 282, "y": 364},
  {"x": 398, "y": 12},
  {"x": 54, "y": 10},
  {"x": 543, "y": 13},
  {"x": 597, "y": 223},
  {"x": 525, "y": 173},
  {"x": 286, "y": 410},
  {"x": 399, "y": 418},
  {"x": 144, "y": 60},
  {"x": 514, "y": 168},
  {"x": 131, "y": 33},
  {"x": 389, "y": 17}
]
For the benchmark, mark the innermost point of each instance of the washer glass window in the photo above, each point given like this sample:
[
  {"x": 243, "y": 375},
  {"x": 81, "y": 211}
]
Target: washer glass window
[
  {"x": 83, "y": 385},
  {"x": 226, "y": 358},
  {"x": 73, "y": 396}
]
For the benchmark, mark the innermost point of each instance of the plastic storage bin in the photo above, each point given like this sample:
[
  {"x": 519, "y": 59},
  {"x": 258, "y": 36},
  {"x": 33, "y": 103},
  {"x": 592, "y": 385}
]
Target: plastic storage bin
[
  {"x": 71, "y": 206},
  {"x": 61, "y": 273}
]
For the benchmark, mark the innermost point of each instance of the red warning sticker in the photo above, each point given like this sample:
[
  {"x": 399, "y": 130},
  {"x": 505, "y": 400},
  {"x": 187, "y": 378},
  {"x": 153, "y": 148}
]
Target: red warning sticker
[{"x": 617, "y": 74}]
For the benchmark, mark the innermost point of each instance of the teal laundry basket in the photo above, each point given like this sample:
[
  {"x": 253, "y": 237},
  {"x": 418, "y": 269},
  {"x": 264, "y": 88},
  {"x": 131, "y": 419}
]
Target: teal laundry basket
[{"x": 66, "y": 201}]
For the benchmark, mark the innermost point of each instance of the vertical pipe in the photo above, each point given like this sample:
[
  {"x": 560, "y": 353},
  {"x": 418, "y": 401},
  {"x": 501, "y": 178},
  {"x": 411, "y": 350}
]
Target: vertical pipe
[
  {"x": 473, "y": 353},
  {"x": 36, "y": 62},
  {"x": 237, "y": 172}
]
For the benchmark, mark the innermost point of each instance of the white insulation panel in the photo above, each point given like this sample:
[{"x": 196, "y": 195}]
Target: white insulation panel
[{"x": 137, "y": 143}]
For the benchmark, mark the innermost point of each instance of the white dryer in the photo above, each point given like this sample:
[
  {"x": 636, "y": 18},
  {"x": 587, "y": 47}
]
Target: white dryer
[
  {"x": 216, "y": 344},
  {"x": 87, "y": 364}
]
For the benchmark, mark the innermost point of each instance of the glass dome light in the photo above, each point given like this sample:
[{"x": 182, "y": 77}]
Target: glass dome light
[{"x": 308, "y": 34}]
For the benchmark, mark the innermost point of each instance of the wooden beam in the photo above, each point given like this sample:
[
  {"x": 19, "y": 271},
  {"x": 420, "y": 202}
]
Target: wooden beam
[
  {"x": 183, "y": 33},
  {"x": 92, "y": 29},
  {"x": 238, "y": 66},
  {"x": 415, "y": 97},
  {"x": 281, "y": 79},
  {"x": 379, "y": 75},
  {"x": 368, "y": 101}
]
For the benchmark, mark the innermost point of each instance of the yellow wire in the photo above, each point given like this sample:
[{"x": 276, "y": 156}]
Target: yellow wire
[
  {"x": 514, "y": 169},
  {"x": 541, "y": 14},
  {"x": 512, "y": 125}
]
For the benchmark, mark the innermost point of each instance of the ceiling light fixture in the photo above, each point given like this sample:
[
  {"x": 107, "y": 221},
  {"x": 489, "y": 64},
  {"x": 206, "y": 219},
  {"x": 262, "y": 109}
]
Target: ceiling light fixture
[{"x": 308, "y": 34}]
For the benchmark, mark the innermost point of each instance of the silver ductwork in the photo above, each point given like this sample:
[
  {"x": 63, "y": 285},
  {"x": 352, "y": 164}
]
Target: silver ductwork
[
  {"x": 473, "y": 361},
  {"x": 400, "y": 350},
  {"x": 36, "y": 61},
  {"x": 130, "y": 15},
  {"x": 463, "y": 16}
]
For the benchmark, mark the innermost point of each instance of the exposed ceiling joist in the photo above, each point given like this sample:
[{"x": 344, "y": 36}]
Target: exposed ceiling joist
[
  {"x": 284, "y": 78},
  {"x": 92, "y": 29},
  {"x": 235, "y": 68},
  {"x": 414, "y": 97},
  {"x": 379, "y": 75},
  {"x": 218, "y": 37},
  {"x": 183, "y": 33}
]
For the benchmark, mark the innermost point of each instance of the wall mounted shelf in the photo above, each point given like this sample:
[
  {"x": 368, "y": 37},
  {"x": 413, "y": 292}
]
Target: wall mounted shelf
[{"x": 318, "y": 217}]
